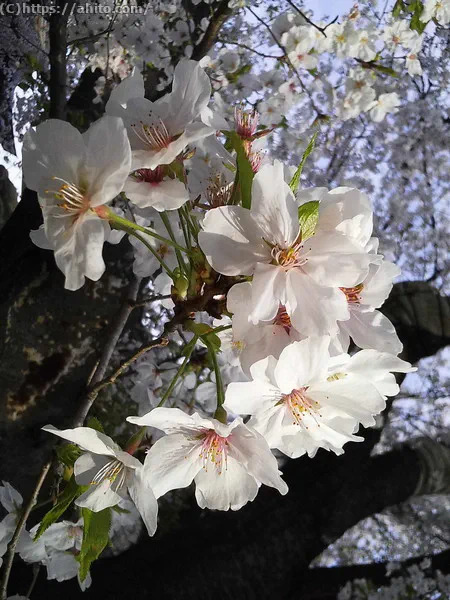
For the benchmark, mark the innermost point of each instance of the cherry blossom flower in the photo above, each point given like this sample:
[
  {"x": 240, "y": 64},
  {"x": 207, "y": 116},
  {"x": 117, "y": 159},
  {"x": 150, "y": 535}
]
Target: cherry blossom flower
[
  {"x": 11, "y": 501},
  {"x": 368, "y": 327},
  {"x": 302, "y": 275},
  {"x": 227, "y": 462},
  {"x": 399, "y": 34},
  {"x": 363, "y": 47},
  {"x": 159, "y": 131},
  {"x": 74, "y": 175},
  {"x": 436, "y": 9},
  {"x": 301, "y": 57},
  {"x": 386, "y": 103},
  {"x": 306, "y": 400},
  {"x": 254, "y": 342},
  {"x": 413, "y": 65},
  {"x": 110, "y": 472},
  {"x": 350, "y": 212}
]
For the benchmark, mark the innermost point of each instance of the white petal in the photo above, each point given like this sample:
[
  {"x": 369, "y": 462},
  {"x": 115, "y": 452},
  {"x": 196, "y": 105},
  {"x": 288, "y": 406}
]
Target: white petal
[
  {"x": 78, "y": 246},
  {"x": 131, "y": 87},
  {"x": 169, "y": 420},
  {"x": 378, "y": 284},
  {"x": 232, "y": 241},
  {"x": 172, "y": 463},
  {"x": 10, "y": 498},
  {"x": 372, "y": 330},
  {"x": 250, "y": 449},
  {"x": 191, "y": 91},
  {"x": 145, "y": 158},
  {"x": 108, "y": 159},
  {"x": 274, "y": 205},
  {"x": 268, "y": 292},
  {"x": 170, "y": 194},
  {"x": 351, "y": 397},
  {"x": 301, "y": 363},
  {"x": 87, "y": 438},
  {"x": 55, "y": 149},
  {"x": 143, "y": 497},
  {"x": 231, "y": 488},
  {"x": 250, "y": 397},
  {"x": 87, "y": 466},
  {"x": 335, "y": 260},
  {"x": 314, "y": 309},
  {"x": 348, "y": 211},
  {"x": 98, "y": 497},
  {"x": 39, "y": 238}
]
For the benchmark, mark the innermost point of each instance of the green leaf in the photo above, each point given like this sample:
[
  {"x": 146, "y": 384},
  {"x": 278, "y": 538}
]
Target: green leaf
[
  {"x": 244, "y": 175},
  {"x": 399, "y": 7},
  {"x": 308, "y": 216},
  {"x": 295, "y": 181},
  {"x": 94, "y": 423},
  {"x": 197, "y": 328},
  {"x": 120, "y": 511},
  {"x": 96, "y": 526},
  {"x": 68, "y": 454},
  {"x": 213, "y": 340},
  {"x": 71, "y": 491}
]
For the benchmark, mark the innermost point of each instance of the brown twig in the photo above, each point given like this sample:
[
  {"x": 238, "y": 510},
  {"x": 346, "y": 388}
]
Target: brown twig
[
  {"x": 221, "y": 14},
  {"x": 18, "y": 531},
  {"x": 58, "y": 59},
  {"x": 307, "y": 19}
]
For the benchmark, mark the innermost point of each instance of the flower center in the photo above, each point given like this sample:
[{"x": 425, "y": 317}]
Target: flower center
[
  {"x": 152, "y": 176},
  {"x": 299, "y": 404},
  {"x": 114, "y": 471},
  {"x": 289, "y": 258},
  {"x": 163, "y": 250},
  {"x": 156, "y": 136},
  {"x": 353, "y": 294},
  {"x": 283, "y": 319},
  {"x": 218, "y": 191},
  {"x": 70, "y": 197},
  {"x": 75, "y": 531},
  {"x": 214, "y": 450}
]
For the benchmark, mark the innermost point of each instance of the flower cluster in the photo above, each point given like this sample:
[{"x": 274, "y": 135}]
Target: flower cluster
[{"x": 281, "y": 278}]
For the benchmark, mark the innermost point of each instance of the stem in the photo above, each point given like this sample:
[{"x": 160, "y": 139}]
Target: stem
[
  {"x": 219, "y": 414},
  {"x": 36, "y": 569},
  {"x": 168, "y": 226},
  {"x": 20, "y": 525},
  {"x": 186, "y": 232},
  {"x": 92, "y": 395},
  {"x": 188, "y": 350},
  {"x": 221, "y": 328},
  {"x": 125, "y": 225},
  {"x": 153, "y": 251}
]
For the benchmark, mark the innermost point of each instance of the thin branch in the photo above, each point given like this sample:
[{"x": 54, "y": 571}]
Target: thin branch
[
  {"x": 18, "y": 531},
  {"x": 286, "y": 59},
  {"x": 241, "y": 45},
  {"x": 146, "y": 301},
  {"x": 58, "y": 58},
  {"x": 116, "y": 331},
  {"x": 221, "y": 14},
  {"x": 308, "y": 20}
]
